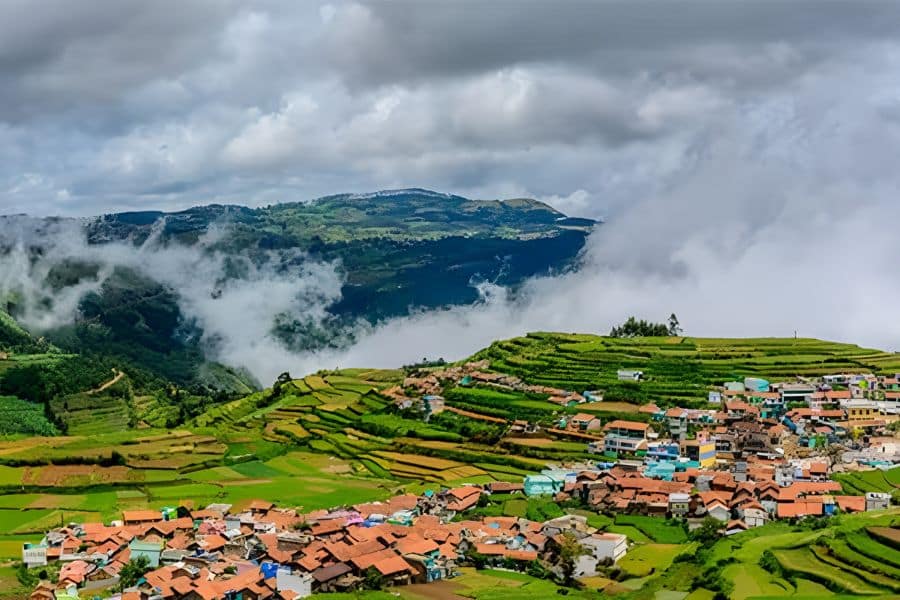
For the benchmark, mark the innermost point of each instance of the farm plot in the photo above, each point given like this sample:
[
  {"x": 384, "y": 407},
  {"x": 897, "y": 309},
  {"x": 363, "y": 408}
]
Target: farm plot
[
  {"x": 804, "y": 562},
  {"x": 648, "y": 559}
]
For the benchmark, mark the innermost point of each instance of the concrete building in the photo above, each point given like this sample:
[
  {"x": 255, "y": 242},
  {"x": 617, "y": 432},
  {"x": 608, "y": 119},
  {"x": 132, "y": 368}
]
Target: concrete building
[
  {"x": 625, "y": 436},
  {"x": 629, "y": 375},
  {"x": 34, "y": 555},
  {"x": 151, "y": 550},
  {"x": 877, "y": 501},
  {"x": 679, "y": 504},
  {"x": 703, "y": 453}
]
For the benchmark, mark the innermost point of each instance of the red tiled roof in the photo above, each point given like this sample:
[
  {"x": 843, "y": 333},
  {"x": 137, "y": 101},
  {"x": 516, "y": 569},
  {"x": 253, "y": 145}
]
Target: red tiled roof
[
  {"x": 620, "y": 424},
  {"x": 141, "y": 515},
  {"x": 391, "y": 566},
  {"x": 415, "y": 545},
  {"x": 799, "y": 509},
  {"x": 851, "y": 503}
]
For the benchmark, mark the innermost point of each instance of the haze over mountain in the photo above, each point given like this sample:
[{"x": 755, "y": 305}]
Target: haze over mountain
[{"x": 249, "y": 286}]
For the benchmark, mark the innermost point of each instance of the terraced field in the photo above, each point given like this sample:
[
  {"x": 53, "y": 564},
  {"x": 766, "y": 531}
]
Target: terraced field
[
  {"x": 835, "y": 562},
  {"x": 679, "y": 368},
  {"x": 874, "y": 480}
]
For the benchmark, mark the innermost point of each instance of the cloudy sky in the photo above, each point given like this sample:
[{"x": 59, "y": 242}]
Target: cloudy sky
[
  {"x": 743, "y": 153},
  {"x": 113, "y": 105}
]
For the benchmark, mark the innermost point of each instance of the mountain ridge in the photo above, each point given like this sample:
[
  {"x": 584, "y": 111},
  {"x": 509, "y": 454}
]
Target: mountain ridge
[{"x": 393, "y": 251}]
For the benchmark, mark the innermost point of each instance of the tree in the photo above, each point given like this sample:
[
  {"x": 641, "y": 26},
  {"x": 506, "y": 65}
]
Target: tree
[
  {"x": 634, "y": 328},
  {"x": 708, "y": 532},
  {"x": 132, "y": 572},
  {"x": 569, "y": 551},
  {"x": 674, "y": 325},
  {"x": 373, "y": 579}
]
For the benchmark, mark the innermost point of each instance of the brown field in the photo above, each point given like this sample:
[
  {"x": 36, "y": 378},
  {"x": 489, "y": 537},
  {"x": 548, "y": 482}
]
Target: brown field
[
  {"x": 67, "y": 475},
  {"x": 609, "y": 406},
  {"x": 887, "y": 533},
  {"x": 533, "y": 442},
  {"x": 58, "y": 501},
  {"x": 436, "y": 590},
  {"x": 428, "y": 462}
]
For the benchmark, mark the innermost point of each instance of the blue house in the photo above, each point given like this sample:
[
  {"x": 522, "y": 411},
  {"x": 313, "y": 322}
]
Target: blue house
[
  {"x": 151, "y": 550},
  {"x": 542, "y": 485}
]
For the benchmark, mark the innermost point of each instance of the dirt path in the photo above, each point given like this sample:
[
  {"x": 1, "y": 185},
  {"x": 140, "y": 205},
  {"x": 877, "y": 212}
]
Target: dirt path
[{"x": 117, "y": 377}]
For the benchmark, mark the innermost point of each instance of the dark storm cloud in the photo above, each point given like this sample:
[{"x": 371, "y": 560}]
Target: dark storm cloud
[
  {"x": 383, "y": 42},
  {"x": 109, "y": 105}
]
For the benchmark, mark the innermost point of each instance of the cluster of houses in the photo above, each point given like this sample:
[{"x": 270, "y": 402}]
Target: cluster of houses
[
  {"x": 751, "y": 495},
  {"x": 266, "y": 552},
  {"x": 760, "y": 451}
]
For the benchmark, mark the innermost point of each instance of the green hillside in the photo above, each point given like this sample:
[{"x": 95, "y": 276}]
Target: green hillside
[
  {"x": 396, "y": 252},
  {"x": 681, "y": 368}
]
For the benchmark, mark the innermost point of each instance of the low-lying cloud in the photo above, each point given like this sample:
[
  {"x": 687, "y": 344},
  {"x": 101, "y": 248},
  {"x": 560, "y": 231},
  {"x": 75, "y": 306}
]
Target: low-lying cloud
[{"x": 234, "y": 301}]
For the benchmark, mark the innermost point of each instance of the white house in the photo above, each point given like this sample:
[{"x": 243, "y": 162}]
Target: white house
[
  {"x": 877, "y": 500},
  {"x": 606, "y": 545},
  {"x": 717, "y": 510},
  {"x": 34, "y": 555},
  {"x": 754, "y": 515},
  {"x": 629, "y": 375}
]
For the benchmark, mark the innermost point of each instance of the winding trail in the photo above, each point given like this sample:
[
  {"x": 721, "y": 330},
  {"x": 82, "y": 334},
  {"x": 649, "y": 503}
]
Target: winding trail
[{"x": 117, "y": 377}]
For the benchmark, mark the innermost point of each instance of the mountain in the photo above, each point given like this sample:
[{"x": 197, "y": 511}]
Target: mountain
[{"x": 390, "y": 253}]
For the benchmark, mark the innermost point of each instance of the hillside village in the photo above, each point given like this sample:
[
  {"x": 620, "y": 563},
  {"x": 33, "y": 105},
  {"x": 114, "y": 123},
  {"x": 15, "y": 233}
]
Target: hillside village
[
  {"x": 766, "y": 450},
  {"x": 759, "y": 452}
]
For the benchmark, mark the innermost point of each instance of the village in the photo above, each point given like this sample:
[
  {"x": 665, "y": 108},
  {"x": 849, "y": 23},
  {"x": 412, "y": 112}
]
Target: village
[
  {"x": 762, "y": 451},
  {"x": 759, "y": 452}
]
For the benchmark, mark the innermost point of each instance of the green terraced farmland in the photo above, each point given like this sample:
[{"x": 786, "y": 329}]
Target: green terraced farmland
[{"x": 678, "y": 369}]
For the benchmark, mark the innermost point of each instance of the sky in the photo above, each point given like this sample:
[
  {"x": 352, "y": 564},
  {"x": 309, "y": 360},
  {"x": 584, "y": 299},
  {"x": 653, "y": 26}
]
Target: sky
[{"x": 742, "y": 154}]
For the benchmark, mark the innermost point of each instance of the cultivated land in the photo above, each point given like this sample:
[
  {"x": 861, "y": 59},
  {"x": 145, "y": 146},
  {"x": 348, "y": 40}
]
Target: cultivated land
[{"x": 339, "y": 438}]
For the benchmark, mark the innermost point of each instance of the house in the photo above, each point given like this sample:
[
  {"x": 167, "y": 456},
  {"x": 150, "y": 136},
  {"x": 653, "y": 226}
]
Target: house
[
  {"x": 718, "y": 510},
  {"x": 600, "y": 548},
  {"x": 703, "y": 453},
  {"x": 851, "y": 504},
  {"x": 585, "y": 422},
  {"x": 677, "y": 422},
  {"x": 860, "y": 410},
  {"x": 151, "y": 550},
  {"x": 796, "y": 392},
  {"x": 138, "y": 517},
  {"x": 755, "y": 384},
  {"x": 629, "y": 375},
  {"x": 296, "y": 582},
  {"x": 394, "y": 570},
  {"x": 884, "y": 445},
  {"x": 877, "y": 501},
  {"x": 606, "y": 545},
  {"x": 504, "y": 487},
  {"x": 753, "y": 514},
  {"x": 625, "y": 436},
  {"x": 541, "y": 485},
  {"x": 799, "y": 509},
  {"x": 462, "y": 498},
  {"x": 34, "y": 555},
  {"x": 679, "y": 504}
]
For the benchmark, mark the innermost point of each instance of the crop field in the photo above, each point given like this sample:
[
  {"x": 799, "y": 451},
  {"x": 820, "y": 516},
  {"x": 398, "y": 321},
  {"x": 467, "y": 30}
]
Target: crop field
[
  {"x": 655, "y": 528},
  {"x": 681, "y": 368},
  {"x": 875, "y": 480},
  {"x": 646, "y": 559},
  {"x": 812, "y": 563}
]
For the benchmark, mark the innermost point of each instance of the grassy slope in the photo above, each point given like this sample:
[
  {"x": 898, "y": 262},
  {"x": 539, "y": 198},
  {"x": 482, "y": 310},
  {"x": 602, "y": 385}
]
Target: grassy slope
[{"x": 679, "y": 368}]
